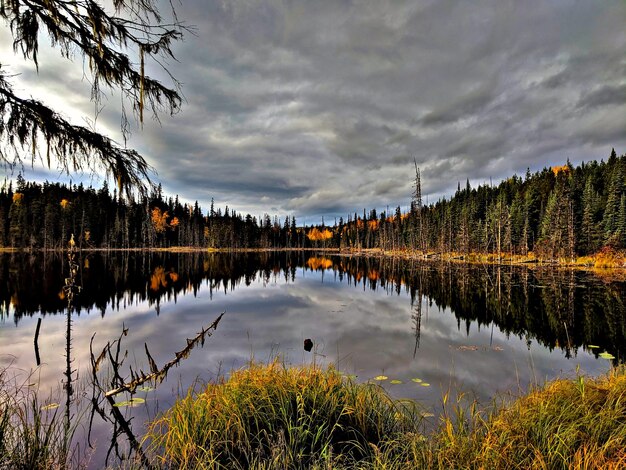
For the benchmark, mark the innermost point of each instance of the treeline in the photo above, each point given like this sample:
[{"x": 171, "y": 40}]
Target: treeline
[
  {"x": 45, "y": 215},
  {"x": 559, "y": 212}
]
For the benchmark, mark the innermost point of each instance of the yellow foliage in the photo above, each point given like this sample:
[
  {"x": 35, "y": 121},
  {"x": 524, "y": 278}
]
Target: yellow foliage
[
  {"x": 173, "y": 276},
  {"x": 319, "y": 263},
  {"x": 316, "y": 235},
  {"x": 159, "y": 220},
  {"x": 17, "y": 198},
  {"x": 372, "y": 225},
  {"x": 609, "y": 258},
  {"x": 64, "y": 203},
  {"x": 558, "y": 169},
  {"x": 158, "y": 280},
  {"x": 174, "y": 222}
]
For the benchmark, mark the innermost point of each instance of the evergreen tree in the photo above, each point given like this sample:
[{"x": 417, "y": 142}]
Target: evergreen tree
[
  {"x": 590, "y": 233},
  {"x": 614, "y": 194}
]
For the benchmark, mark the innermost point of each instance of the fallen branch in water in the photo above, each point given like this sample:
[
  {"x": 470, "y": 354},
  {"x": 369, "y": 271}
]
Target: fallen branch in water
[
  {"x": 158, "y": 375},
  {"x": 113, "y": 351}
]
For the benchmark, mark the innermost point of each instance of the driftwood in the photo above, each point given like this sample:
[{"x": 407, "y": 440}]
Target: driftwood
[
  {"x": 156, "y": 374},
  {"x": 112, "y": 352}
]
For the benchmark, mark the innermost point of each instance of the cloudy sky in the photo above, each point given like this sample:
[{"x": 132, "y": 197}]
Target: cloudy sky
[{"x": 317, "y": 108}]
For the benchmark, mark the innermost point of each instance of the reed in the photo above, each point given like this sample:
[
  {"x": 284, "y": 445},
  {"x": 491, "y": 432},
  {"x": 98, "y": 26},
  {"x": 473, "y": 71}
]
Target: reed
[{"x": 32, "y": 435}]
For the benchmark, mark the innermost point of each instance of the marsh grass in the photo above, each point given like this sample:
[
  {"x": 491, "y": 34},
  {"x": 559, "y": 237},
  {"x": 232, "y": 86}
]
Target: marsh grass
[
  {"x": 579, "y": 423},
  {"x": 33, "y": 435},
  {"x": 273, "y": 416}
]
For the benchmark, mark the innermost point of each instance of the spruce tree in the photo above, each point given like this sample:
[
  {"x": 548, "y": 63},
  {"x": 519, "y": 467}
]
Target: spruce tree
[{"x": 614, "y": 194}]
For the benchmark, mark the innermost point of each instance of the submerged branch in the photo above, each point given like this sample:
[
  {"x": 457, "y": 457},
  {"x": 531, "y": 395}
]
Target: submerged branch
[{"x": 159, "y": 374}]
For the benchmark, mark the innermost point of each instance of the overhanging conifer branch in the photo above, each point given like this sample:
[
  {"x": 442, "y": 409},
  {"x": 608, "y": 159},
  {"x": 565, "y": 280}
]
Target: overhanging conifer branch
[{"x": 84, "y": 28}]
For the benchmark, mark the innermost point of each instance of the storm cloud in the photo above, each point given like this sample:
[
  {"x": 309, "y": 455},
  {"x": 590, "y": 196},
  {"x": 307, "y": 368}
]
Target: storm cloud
[{"x": 319, "y": 108}]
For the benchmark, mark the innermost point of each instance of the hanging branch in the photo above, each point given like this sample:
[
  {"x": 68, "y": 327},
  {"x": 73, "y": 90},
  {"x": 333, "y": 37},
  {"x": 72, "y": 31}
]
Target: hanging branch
[{"x": 107, "y": 41}]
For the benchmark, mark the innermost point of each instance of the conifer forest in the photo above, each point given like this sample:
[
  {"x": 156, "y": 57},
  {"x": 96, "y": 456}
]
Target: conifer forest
[{"x": 559, "y": 212}]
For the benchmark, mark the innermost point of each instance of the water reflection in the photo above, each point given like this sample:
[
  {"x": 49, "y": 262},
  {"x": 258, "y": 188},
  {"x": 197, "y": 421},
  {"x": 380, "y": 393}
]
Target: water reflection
[
  {"x": 559, "y": 309},
  {"x": 482, "y": 329}
]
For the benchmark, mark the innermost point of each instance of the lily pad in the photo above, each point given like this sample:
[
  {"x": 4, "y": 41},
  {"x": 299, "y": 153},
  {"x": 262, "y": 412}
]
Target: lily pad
[
  {"x": 606, "y": 355},
  {"x": 416, "y": 380},
  {"x": 395, "y": 382},
  {"x": 145, "y": 388},
  {"x": 132, "y": 402},
  {"x": 50, "y": 406},
  {"x": 381, "y": 378},
  {"x": 424, "y": 384},
  {"x": 427, "y": 415},
  {"x": 592, "y": 346}
]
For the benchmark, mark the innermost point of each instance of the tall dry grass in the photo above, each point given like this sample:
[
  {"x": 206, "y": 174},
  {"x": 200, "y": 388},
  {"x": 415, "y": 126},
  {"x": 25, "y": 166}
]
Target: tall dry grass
[{"x": 273, "y": 416}]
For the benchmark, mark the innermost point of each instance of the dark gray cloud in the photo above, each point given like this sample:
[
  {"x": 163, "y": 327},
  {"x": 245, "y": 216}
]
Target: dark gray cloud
[{"x": 319, "y": 108}]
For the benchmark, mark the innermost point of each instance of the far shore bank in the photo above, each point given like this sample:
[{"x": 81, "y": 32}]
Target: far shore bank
[{"x": 604, "y": 260}]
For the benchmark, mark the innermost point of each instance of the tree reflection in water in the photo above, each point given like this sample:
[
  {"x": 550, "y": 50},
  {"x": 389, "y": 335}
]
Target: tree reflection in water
[
  {"x": 564, "y": 309},
  {"x": 560, "y": 309}
]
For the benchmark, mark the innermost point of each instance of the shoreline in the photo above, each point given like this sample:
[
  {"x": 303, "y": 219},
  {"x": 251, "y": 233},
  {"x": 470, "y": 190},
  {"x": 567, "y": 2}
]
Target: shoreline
[{"x": 612, "y": 260}]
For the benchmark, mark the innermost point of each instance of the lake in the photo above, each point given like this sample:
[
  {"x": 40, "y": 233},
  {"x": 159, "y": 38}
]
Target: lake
[{"x": 480, "y": 329}]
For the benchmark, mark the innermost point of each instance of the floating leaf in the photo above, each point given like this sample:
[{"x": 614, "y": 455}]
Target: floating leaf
[
  {"x": 350, "y": 376},
  {"x": 395, "y": 382},
  {"x": 381, "y": 377},
  {"x": 427, "y": 415},
  {"x": 424, "y": 384},
  {"x": 50, "y": 406},
  {"x": 132, "y": 402},
  {"x": 592, "y": 346},
  {"x": 145, "y": 388},
  {"x": 416, "y": 380},
  {"x": 606, "y": 355}
]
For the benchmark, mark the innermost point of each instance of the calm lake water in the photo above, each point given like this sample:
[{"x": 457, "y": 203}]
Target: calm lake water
[{"x": 484, "y": 330}]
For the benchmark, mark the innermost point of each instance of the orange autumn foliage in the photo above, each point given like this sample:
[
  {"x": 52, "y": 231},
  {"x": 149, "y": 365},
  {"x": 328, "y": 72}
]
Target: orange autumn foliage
[
  {"x": 319, "y": 263},
  {"x": 158, "y": 279},
  {"x": 316, "y": 235},
  {"x": 64, "y": 203},
  {"x": 558, "y": 169},
  {"x": 17, "y": 198},
  {"x": 159, "y": 220}
]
